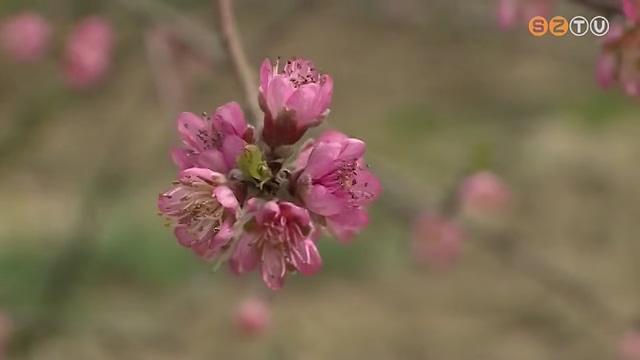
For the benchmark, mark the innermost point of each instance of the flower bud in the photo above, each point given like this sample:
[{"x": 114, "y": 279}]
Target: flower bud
[
  {"x": 25, "y": 37},
  {"x": 88, "y": 52},
  {"x": 484, "y": 193},
  {"x": 294, "y": 98},
  {"x": 253, "y": 316}
]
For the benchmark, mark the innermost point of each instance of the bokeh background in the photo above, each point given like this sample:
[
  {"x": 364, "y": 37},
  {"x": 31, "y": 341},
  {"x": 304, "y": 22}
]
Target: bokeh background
[{"x": 88, "y": 271}]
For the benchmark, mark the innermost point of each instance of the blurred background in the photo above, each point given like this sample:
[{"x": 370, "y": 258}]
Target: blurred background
[{"x": 88, "y": 271}]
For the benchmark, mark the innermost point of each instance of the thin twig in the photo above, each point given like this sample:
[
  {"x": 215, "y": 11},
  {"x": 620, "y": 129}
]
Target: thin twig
[{"x": 231, "y": 41}]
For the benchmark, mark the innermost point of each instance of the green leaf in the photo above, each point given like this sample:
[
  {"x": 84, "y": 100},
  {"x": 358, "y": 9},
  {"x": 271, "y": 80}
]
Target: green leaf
[{"x": 253, "y": 165}]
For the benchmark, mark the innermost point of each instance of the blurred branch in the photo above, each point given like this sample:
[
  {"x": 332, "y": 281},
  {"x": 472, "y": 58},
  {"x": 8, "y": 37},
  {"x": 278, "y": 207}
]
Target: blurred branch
[
  {"x": 506, "y": 246},
  {"x": 232, "y": 43},
  {"x": 196, "y": 35},
  {"x": 168, "y": 81}
]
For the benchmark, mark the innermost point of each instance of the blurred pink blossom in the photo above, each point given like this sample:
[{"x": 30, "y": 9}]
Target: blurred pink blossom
[
  {"x": 253, "y": 316},
  {"x": 629, "y": 346},
  {"x": 88, "y": 53},
  {"x": 630, "y": 9},
  {"x": 278, "y": 238},
  {"x": 294, "y": 98},
  {"x": 202, "y": 210},
  {"x": 437, "y": 242},
  {"x": 618, "y": 60},
  {"x": 25, "y": 37},
  {"x": 484, "y": 192},
  {"x": 333, "y": 181},
  {"x": 511, "y": 12},
  {"x": 213, "y": 143}
]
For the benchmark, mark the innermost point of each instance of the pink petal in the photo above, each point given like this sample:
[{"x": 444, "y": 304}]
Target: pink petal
[
  {"x": 201, "y": 174},
  {"x": 295, "y": 213},
  {"x": 189, "y": 125},
  {"x": 232, "y": 147},
  {"x": 266, "y": 73},
  {"x": 226, "y": 197},
  {"x": 279, "y": 91},
  {"x": 353, "y": 149},
  {"x": 182, "y": 158},
  {"x": 306, "y": 257},
  {"x": 230, "y": 119},
  {"x": 302, "y": 102},
  {"x": 213, "y": 159},
  {"x": 368, "y": 185},
  {"x": 322, "y": 159},
  {"x": 346, "y": 225},
  {"x": 222, "y": 237},
  {"x": 303, "y": 156},
  {"x": 273, "y": 268},
  {"x": 332, "y": 136},
  {"x": 267, "y": 212},
  {"x": 245, "y": 256},
  {"x": 325, "y": 97},
  {"x": 185, "y": 238},
  {"x": 321, "y": 201}
]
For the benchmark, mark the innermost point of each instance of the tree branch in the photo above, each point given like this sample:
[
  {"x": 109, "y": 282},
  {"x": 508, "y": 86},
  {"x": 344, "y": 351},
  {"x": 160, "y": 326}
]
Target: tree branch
[{"x": 231, "y": 41}]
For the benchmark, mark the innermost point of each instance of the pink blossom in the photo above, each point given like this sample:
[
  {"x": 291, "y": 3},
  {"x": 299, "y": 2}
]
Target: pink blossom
[
  {"x": 25, "y": 37},
  {"x": 333, "y": 181},
  {"x": 212, "y": 143},
  {"x": 278, "y": 238},
  {"x": 484, "y": 192},
  {"x": 88, "y": 52},
  {"x": 437, "y": 241},
  {"x": 294, "y": 99},
  {"x": 202, "y": 210},
  {"x": 253, "y": 316},
  {"x": 511, "y": 12},
  {"x": 629, "y": 346},
  {"x": 630, "y": 9}
]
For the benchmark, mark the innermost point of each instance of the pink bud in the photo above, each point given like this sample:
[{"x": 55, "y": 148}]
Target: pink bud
[
  {"x": 88, "y": 52},
  {"x": 437, "y": 242},
  {"x": 484, "y": 192},
  {"x": 629, "y": 346},
  {"x": 25, "y": 37},
  {"x": 253, "y": 316}
]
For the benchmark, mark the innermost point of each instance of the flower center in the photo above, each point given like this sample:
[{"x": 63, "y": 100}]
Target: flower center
[{"x": 301, "y": 72}]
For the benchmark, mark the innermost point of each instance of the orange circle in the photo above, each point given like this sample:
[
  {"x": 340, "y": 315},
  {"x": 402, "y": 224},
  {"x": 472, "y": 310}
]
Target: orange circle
[
  {"x": 558, "y": 26},
  {"x": 538, "y": 26}
]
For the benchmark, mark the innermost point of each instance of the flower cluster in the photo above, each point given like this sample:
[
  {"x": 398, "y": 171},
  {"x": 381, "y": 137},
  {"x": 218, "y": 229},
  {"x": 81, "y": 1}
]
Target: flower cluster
[{"x": 248, "y": 199}]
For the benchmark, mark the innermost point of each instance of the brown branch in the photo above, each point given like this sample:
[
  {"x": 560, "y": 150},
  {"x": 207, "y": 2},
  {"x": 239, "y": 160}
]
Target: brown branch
[{"x": 232, "y": 43}]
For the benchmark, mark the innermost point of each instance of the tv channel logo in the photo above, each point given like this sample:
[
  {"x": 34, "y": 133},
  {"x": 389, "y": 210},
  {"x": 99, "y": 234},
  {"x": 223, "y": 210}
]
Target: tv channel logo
[{"x": 559, "y": 26}]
